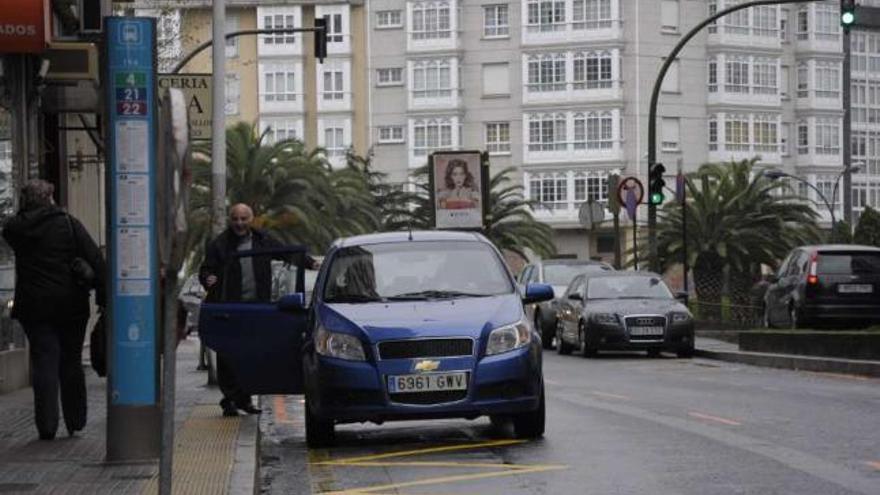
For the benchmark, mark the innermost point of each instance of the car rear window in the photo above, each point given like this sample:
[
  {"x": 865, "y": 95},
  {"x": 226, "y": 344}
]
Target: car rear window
[{"x": 848, "y": 263}]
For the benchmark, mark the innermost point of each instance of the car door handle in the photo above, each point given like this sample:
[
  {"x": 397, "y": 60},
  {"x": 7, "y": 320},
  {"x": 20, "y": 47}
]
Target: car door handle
[{"x": 221, "y": 316}]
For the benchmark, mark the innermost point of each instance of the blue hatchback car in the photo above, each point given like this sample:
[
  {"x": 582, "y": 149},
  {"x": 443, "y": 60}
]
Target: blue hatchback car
[{"x": 401, "y": 326}]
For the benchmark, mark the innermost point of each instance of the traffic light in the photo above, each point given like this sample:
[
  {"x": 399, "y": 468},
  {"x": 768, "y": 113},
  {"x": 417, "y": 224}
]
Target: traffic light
[
  {"x": 847, "y": 13},
  {"x": 320, "y": 38},
  {"x": 656, "y": 184}
]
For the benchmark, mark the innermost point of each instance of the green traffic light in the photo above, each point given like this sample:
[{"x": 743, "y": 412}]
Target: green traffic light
[
  {"x": 657, "y": 198},
  {"x": 847, "y": 18}
]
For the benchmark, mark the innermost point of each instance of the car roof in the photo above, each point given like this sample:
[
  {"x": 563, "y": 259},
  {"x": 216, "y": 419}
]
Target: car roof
[
  {"x": 841, "y": 247},
  {"x": 405, "y": 236},
  {"x": 568, "y": 261},
  {"x": 628, "y": 273}
]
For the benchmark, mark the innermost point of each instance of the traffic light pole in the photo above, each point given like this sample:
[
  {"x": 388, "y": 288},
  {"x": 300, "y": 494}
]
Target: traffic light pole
[
  {"x": 847, "y": 135},
  {"x": 654, "y": 261}
]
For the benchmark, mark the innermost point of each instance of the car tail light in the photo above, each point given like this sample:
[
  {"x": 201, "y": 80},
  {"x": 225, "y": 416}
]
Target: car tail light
[{"x": 812, "y": 273}]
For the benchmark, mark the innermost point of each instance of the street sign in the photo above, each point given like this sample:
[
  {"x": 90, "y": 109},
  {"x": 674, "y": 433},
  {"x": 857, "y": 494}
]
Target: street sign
[
  {"x": 591, "y": 214},
  {"x": 611, "y": 193},
  {"x": 630, "y": 193},
  {"x": 197, "y": 95}
]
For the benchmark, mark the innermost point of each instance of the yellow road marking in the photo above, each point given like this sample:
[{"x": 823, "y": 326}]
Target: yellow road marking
[
  {"x": 431, "y": 450},
  {"x": 443, "y": 479},
  {"x": 717, "y": 419},
  {"x": 874, "y": 464},
  {"x": 610, "y": 396},
  {"x": 450, "y": 464}
]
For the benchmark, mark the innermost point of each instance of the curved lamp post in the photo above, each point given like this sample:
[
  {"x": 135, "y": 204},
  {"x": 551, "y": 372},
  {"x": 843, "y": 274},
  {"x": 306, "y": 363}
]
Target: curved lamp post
[{"x": 778, "y": 174}]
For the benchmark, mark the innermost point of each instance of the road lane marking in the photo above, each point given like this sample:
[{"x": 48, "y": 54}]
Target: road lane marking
[
  {"x": 717, "y": 419},
  {"x": 874, "y": 464},
  {"x": 449, "y": 464},
  {"x": 430, "y": 450},
  {"x": 609, "y": 396}
]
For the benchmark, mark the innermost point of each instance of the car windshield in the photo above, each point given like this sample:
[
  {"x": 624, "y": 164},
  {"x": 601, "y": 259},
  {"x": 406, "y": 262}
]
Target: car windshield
[
  {"x": 414, "y": 271},
  {"x": 848, "y": 263},
  {"x": 561, "y": 274},
  {"x": 627, "y": 288}
]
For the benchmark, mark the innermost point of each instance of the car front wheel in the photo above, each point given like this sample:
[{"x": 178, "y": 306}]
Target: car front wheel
[
  {"x": 562, "y": 347},
  {"x": 547, "y": 332},
  {"x": 320, "y": 432},
  {"x": 531, "y": 424}
]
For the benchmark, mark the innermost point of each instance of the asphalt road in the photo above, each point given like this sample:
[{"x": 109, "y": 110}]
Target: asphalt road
[{"x": 618, "y": 424}]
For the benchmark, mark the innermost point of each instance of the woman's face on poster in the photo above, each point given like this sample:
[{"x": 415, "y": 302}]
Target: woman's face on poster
[{"x": 458, "y": 176}]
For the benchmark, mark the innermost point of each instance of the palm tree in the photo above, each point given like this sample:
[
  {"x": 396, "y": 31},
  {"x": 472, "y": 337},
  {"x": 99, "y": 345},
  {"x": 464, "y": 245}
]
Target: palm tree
[{"x": 737, "y": 220}]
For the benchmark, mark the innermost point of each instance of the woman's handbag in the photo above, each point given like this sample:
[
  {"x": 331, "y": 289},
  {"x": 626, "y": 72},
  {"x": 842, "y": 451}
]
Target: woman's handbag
[
  {"x": 83, "y": 273},
  {"x": 98, "y": 346}
]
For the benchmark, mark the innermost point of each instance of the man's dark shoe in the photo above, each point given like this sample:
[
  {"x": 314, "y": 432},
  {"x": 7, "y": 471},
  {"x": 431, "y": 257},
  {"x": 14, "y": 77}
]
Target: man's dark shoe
[
  {"x": 228, "y": 408},
  {"x": 250, "y": 408},
  {"x": 47, "y": 436}
]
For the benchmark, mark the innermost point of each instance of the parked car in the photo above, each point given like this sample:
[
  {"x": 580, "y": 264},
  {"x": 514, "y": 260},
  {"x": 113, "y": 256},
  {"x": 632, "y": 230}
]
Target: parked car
[
  {"x": 826, "y": 284},
  {"x": 557, "y": 273},
  {"x": 623, "y": 311},
  {"x": 402, "y": 326}
]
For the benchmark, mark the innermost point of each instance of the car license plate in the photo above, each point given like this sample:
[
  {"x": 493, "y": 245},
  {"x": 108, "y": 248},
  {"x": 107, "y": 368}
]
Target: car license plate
[
  {"x": 646, "y": 331},
  {"x": 429, "y": 382},
  {"x": 855, "y": 288}
]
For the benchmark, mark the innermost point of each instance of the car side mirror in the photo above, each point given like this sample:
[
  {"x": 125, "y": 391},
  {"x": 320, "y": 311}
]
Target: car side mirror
[
  {"x": 536, "y": 293},
  {"x": 292, "y": 303},
  {"x": 575, "y": 296},
  {"x": 682, "y": 297}
]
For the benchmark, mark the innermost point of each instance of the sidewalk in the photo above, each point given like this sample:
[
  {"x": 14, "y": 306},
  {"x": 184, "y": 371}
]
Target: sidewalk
[
  {"x": 725, "y": 351},
  {"x": 213, "y": 454}
]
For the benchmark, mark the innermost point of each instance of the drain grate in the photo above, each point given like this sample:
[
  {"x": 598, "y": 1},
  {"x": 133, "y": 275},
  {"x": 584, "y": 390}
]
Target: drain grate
[{"x": 17, "y": 487}]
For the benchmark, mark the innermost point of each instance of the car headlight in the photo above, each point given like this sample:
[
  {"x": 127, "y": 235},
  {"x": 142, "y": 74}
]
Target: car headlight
[
  {"x": 605, "y": 318},
  {"x": 508, "y": 337},
  {"x": 680, "y": 317},
  {"x": 338, "y": 345}
]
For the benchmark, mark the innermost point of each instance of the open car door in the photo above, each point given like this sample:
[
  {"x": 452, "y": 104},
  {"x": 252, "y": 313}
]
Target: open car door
[{"x": 261, "y": 340}]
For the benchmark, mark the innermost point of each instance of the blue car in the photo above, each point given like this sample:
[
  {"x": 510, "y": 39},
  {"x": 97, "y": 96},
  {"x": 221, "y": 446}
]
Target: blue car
[{"x": 401, "y": 326}]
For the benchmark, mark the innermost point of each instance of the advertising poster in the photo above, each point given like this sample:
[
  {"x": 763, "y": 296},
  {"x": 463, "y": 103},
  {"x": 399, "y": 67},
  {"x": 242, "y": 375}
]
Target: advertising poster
[{"x": 457, "y": 182}]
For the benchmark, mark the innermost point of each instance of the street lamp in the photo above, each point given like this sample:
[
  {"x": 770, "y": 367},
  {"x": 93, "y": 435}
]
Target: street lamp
[{"x": 778, "y": 174}]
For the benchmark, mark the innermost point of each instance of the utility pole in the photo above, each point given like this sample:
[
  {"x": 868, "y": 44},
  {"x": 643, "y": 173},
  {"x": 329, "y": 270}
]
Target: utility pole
[
  {"x": 218, "y": 120},
  {"x": 847, "y": 117},
  {"x": 654, "y": 261}
]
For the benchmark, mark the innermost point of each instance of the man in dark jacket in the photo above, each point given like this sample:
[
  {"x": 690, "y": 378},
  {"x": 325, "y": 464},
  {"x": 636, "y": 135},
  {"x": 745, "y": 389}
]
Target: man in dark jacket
[
  {"x": 51, "y": 304},
  {"x": 229, "y": 278}
]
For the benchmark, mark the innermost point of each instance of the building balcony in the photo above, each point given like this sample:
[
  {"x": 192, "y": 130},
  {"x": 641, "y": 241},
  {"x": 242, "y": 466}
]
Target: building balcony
[
  {"x": 433, "y": 99},
  {"x": 571, "y": 32},
  {"x": 818, "y": 156},
  {"x": 579, "y": 152},
  {"x": 723, "y": 94},
  {"x": 581, "y": 92},
  {"x": 744, "y": 36},
  {"x": 766, "y": 154},
  {"x": 819, "y": 100},
  {"x": 426, "y": 42},
  {"x": 819, "y": 42}
]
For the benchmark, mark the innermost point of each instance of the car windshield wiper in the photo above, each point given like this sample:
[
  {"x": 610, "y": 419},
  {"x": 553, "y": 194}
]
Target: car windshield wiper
[
  {"x": 354, "y": 298},
  {"x": 432, "y": 294}
]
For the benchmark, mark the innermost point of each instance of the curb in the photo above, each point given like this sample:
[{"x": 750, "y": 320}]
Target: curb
[
  {"x": 792, "y": 362},
  {"x": 246, "y": 466}
]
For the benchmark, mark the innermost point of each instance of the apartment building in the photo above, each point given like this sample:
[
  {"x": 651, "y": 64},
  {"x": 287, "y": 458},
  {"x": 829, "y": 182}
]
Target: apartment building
[
  {"x": 560, "y": 89},
  {"x": 273, "y": 80}
]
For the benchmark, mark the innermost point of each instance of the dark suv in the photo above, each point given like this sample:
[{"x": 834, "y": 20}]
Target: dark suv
[
  {"x": 825, "y": 284},
  {"x": 558, "y": 273}
]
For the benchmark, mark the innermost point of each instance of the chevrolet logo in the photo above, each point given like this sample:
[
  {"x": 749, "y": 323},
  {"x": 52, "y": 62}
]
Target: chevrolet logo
[{"x": 426, "y": 365}]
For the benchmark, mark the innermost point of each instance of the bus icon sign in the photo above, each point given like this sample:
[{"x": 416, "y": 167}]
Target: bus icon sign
[{"x": 130, "y": 34}]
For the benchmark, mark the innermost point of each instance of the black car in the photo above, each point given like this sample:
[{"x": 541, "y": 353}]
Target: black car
[
  {"x": 826, "y": 284},
  {"x": 558, "y": 273},
  {"x": 623, "y": 311}
]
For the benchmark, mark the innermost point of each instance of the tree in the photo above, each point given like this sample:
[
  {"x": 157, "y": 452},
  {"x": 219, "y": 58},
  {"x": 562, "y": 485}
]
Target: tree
[
  {"x": 868, "y": 228},
  {"x": 394, "y": 203},
  {"x": 737, "y": 220}
]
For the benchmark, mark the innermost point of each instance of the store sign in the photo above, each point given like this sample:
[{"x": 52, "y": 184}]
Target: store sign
[
  {"x": 24, "y": 26},
  {"x": 197, "y": 91}
]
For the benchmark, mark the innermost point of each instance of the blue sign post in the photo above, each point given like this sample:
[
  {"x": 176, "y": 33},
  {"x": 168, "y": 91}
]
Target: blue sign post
[{"x": 131, "y": 116}]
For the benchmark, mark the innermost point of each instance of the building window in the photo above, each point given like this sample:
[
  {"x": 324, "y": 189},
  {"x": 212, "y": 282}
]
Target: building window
[
  {"x": 431, "y": 21},
  {"x": 391, "y": 134},
  {"x": 827, "y": 137},
  {"x": 803, "y": 80},
  {"x": 736, "y": 133},
  {"x": 593, "y": 131},
  {"x": 334, "y": 136},
  {"x": 498, "y": 137},
  {"x": 546, "y": 73},
  {"x": 279, "y": 21},
  {"x": 669, "y": 16},
  {"x": 432, "y": 79},
  {"x": 713, "y": 134},
  {"x": 783, "y": 25},
  {"x": 803, "y": 138},
  {"x": 765, "y": 21},
  {"x": 496, "y": 79},
  {"x": 765, "y": 133},
  {"x": 280, "y": 86},
  {"x": 785, "y": 139},
  {"x": 334, "y": 28},
  {"x": 713, "y": 75},
  {"x": 803, "y": 24},
  {"x": 233, "y": 94},
  {"x": 547, "y": 132},
  {"x": 280, "y": 130},
  {"x": 392, "y": 76},
  {"x": 591, "y": 14},
  {"x": 545, "y": 16},
  {"x": 231, "y": 27},
  {"x": 549, "y": 191},
  {"x": 591, "y": 70},
  {"x": 671, "y": 129},
  {"x": 827, "y": 22},
  {"x": 495, "y": 21},
  {"x": 590, "y": 187},
  {"x": 736, "y": 22},
  {"x": 713, "y": 9},
  {"x": 333, "y": 85},
  {"x": 431, "y": 135},
  {"x": 736, "y": 75},
  {"x": 827, "y": 79},
  {"x": 389, "y": 19},
  {"x": 764, "y": 76}
]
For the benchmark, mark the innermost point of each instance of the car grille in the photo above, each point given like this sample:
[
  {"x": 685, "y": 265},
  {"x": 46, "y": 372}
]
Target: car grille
[
  {"x": 408, "y": 349},
  {"x": 428, "y": 398}
]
